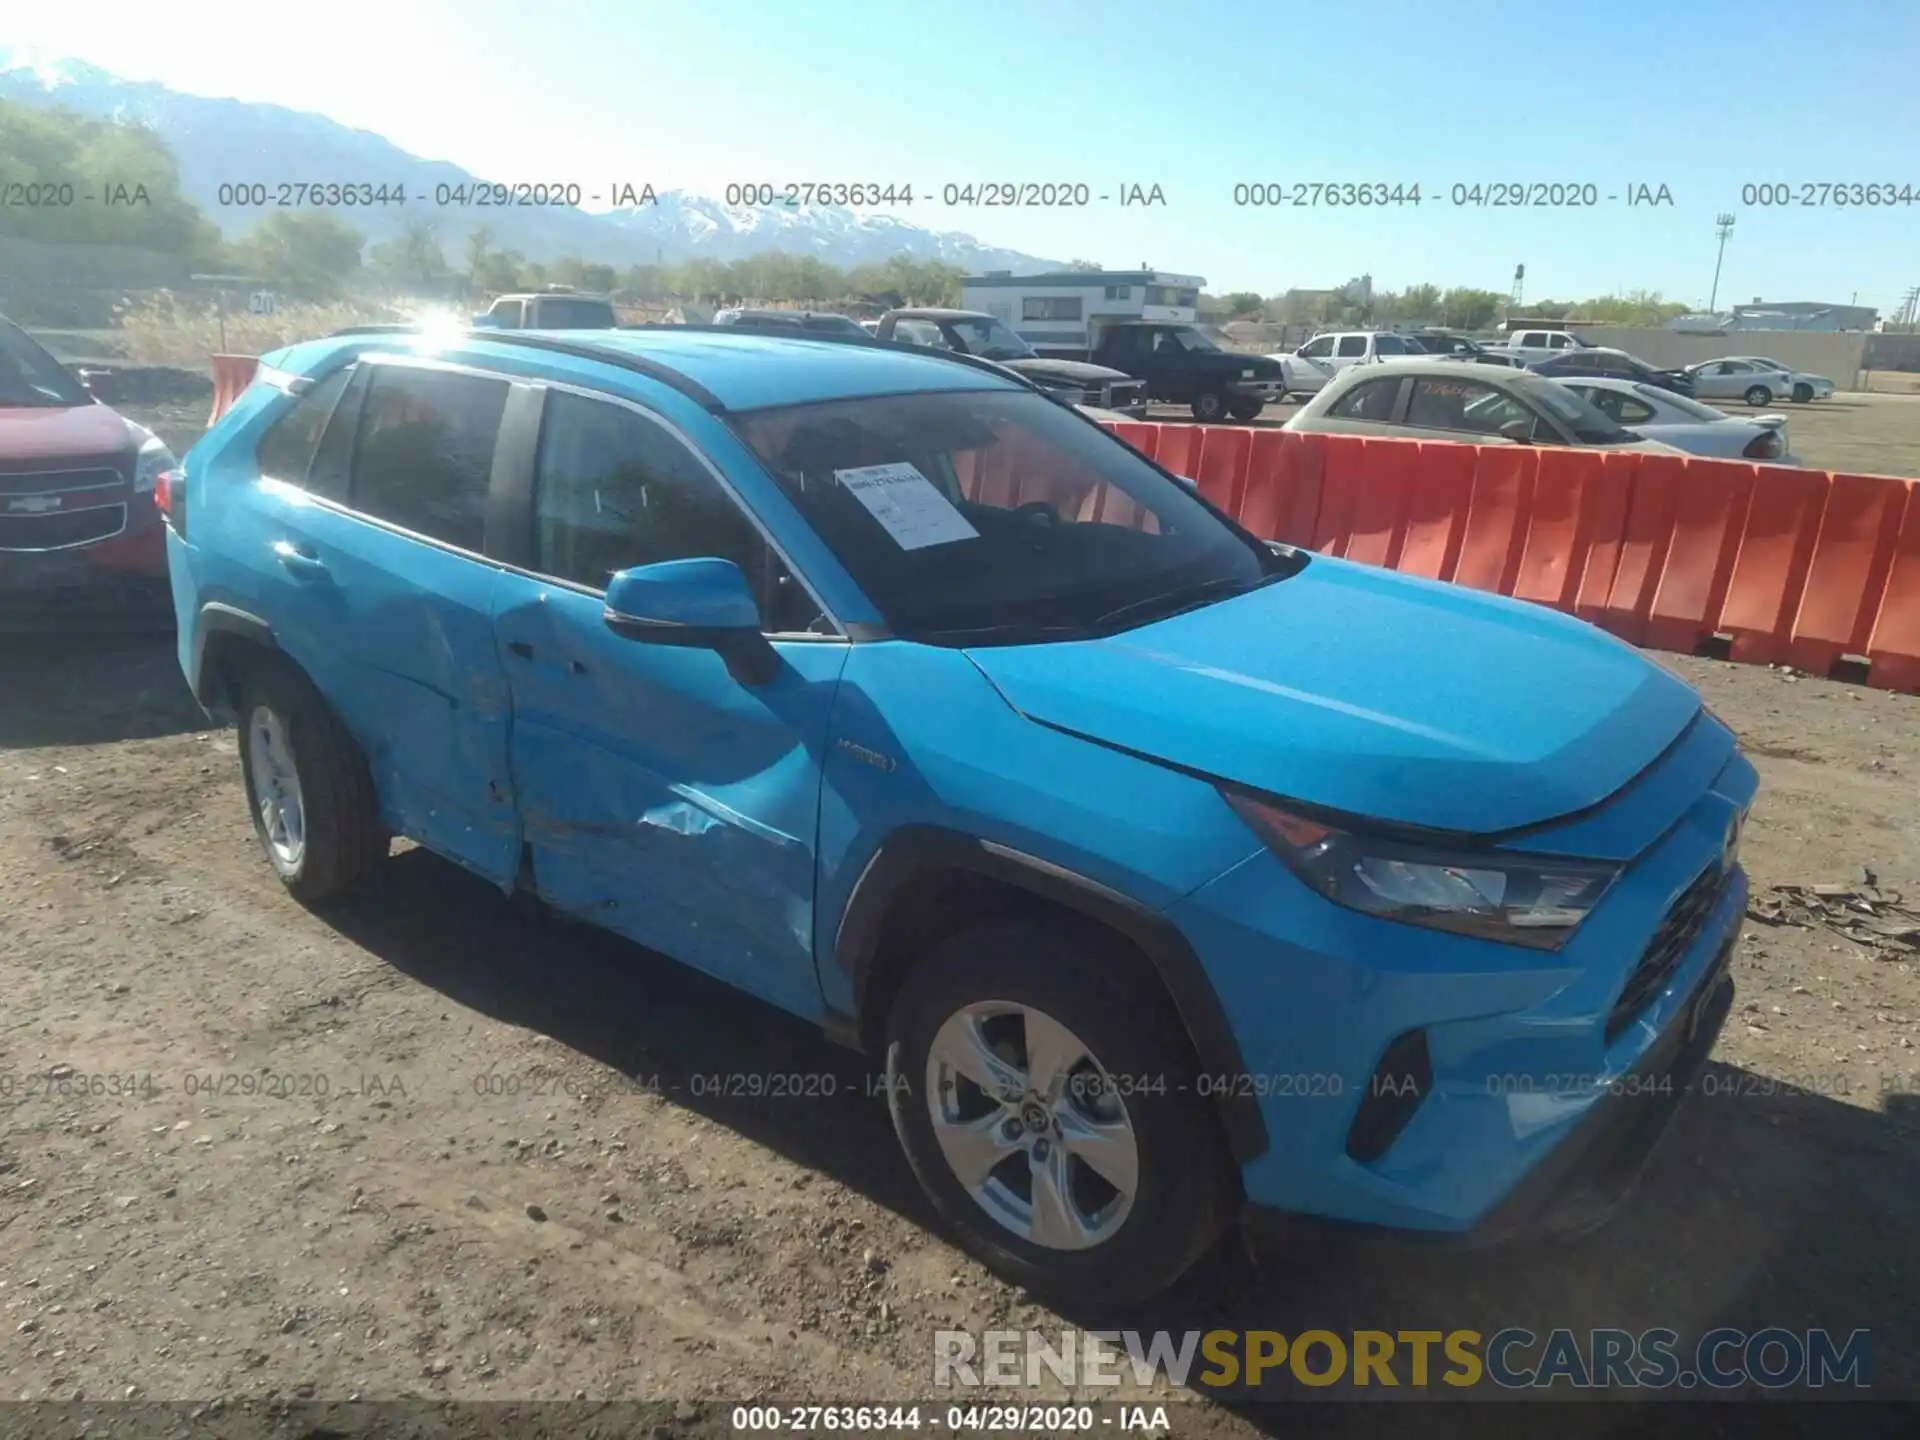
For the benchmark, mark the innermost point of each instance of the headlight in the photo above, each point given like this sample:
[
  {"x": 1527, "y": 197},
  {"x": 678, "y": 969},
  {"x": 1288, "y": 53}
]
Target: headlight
[
  {"x": 154, "y": 457},
  {"x": 1532, "y": 900}
]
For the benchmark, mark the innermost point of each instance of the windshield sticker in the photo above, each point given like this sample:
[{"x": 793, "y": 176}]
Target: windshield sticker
[{"x": 903, "y": 500}]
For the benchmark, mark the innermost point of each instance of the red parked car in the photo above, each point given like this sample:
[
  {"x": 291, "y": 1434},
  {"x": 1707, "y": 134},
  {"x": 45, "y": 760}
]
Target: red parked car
[{"x": 81, "y": 541}]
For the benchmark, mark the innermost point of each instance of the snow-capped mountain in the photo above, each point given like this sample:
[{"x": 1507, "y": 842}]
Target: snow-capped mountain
[{"x": 223, "y": 142}]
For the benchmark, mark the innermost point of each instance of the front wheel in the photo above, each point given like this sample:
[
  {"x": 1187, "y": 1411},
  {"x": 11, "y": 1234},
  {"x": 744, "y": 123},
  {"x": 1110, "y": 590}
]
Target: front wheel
[
  {"x": 1759, "y": 395},
  {"x": 1802, "y": 394},
  {"x": 1046, "y": 1102},
  {"x": 1208, "y": 406},
  {"x": 314, "y": 808},
  {"x": 1246, "y": 410}
]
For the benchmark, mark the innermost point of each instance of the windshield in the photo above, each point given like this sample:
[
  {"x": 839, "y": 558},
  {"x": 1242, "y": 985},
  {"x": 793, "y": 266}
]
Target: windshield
[
  {"x": 30, "y": 377},
  {"x": 1586, "y": 424},
  {"x": 990, "y": 339},
  {"x": 1681, "y": 403},
  {"x": 981, "y": 518}
]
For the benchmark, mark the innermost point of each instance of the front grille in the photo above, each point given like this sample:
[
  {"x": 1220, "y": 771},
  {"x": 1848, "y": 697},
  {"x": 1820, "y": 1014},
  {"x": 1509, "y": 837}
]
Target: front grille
[
  {"x": 61, "y": 530},
  {"x": 45, "y": 482},
  {"x": 1678, "y": 930},
  {"x": 1118, "y": 397}
]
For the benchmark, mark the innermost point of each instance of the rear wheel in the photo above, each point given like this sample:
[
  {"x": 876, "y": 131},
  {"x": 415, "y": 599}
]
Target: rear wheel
[
  {"x": 314, "y": 809},
  {"x": 1208, "y": 406},
  {"x": 1248, "y": 409},
  {"x": 1759, "y": 395},
  {"x": 1047, "y": 1104}
]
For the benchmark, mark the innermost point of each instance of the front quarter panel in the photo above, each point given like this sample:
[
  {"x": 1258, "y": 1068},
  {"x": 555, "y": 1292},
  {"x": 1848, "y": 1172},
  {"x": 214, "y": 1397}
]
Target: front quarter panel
[{"x": 920, "y": 738}]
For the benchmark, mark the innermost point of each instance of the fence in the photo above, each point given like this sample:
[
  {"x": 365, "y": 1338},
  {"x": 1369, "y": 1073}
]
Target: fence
[{"x": 1772, "y": 564}]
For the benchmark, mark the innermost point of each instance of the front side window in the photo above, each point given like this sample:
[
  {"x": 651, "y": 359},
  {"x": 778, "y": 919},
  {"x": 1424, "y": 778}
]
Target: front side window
[
  {"x": 614, "y": 489},
  {"x": 1317, "y": 349},
  {"x": 991, "y": 339},
  {"x": 424, "y": 454},
  {"x": 972, "y": 518},
  {"x": 508, "y": 312},
  {"x": 1352, "y": 346},
  {"x": 576, "y": 315},
  {"x": 921, "y": 332},
  {"x": 1393, "y": 345},
  {"x": 286, "y": 451}
]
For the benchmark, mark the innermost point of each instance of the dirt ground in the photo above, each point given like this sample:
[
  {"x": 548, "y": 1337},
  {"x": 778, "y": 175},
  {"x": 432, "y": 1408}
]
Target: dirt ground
[{"x": 421, "y": 1145}]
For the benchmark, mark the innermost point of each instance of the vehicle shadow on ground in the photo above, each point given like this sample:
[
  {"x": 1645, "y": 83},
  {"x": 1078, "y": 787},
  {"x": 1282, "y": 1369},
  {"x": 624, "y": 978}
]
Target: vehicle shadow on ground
[
  {"x": 51, "y": 689},
  {"x": 1765, "y": 1206}
]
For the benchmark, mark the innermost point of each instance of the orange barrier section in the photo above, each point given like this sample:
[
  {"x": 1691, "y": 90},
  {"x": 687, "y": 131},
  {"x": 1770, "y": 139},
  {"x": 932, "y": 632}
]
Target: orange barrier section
[
  {"x": 1779, "y": 565},
  {"x": 232, "y": 374}
]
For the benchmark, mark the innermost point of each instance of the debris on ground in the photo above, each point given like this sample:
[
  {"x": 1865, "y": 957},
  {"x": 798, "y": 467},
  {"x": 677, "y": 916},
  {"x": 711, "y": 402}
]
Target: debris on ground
[{"x": 1860, "y": 911}]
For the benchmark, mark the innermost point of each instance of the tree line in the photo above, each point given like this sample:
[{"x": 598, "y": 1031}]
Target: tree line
[{"x": 46, "y": 153}]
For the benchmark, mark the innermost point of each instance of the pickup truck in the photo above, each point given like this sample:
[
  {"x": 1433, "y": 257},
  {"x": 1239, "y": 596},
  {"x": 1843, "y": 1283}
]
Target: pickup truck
[
  {"x": 1182, "y": 365},
  {"x": 971, "y": 332},
  {"x": 548, "y": 312},
  {"x": 1305, "y": 370},
  {"x": 1531, "y": 345}
]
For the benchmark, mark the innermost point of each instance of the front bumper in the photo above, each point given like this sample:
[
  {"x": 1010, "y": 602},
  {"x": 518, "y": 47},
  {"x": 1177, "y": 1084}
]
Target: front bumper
[
  {"x": 115, "y": 584},
  {"x": 1268, "y": 391},
  {"x": 1527, "y": 1054}
]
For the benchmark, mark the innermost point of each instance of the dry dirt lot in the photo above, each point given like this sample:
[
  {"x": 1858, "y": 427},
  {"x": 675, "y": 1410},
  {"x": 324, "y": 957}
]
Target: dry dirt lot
[{"x": 422, "y": 1145}]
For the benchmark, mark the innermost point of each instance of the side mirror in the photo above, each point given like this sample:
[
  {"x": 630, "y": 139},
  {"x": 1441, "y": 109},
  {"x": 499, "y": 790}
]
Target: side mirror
[
  {"x": 1518, "y": 431},
  {"x": 703, "y": 604}
]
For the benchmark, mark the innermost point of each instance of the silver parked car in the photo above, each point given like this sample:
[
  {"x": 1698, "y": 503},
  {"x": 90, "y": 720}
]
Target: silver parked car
[
  {"x": 1685, "y": 424},
  {"x": 1740, "y": 379},
  {"x": 1443, "y": 399},
  {"x": 1806, "y": 386}
]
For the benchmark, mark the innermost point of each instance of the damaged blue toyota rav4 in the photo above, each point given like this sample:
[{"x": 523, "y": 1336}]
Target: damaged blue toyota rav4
[{"x": 1180, "y": 878}]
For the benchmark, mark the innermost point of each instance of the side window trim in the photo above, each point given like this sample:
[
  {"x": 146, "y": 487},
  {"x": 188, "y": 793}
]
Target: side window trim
[{"x": 679, "y": 437}]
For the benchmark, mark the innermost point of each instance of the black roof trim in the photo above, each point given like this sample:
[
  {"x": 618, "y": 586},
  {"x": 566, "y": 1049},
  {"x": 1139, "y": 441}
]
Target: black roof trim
[
  {"x": 579, "y": 350},
  {"x": 869, "y": 342}
]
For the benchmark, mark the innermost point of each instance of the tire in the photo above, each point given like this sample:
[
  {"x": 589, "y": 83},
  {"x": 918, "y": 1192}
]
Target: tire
[
  {"x": 1246, "y": 410},
  {"x": 1209, "y": 406},
  {"x": 1759, "y": 395},
  {"x": 332, "y": 834},
  {"x": 1802, "y": 394},
  {"x": 1183, "y": 1189}
]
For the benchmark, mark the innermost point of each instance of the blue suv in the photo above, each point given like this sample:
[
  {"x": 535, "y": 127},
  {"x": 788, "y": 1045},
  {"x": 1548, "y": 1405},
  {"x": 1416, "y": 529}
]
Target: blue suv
[{"x": 1178, "y": 876}]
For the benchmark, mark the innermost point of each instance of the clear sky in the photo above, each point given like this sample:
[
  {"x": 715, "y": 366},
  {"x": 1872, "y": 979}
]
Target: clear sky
[{"x": 1702, "y": 96}]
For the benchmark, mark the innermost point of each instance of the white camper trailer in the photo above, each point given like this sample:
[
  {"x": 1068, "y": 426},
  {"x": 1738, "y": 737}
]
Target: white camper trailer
[{"x": 1053, "y": 313}]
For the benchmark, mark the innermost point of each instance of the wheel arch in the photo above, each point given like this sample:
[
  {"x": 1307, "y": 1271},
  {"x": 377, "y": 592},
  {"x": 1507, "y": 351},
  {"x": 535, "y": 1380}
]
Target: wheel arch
[
  {"x": 226, "y": 641},
  {"x": 925, "y": 881}
]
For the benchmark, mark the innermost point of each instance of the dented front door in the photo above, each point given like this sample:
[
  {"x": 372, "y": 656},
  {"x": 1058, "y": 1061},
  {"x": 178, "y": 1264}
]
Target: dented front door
[{"x": 663, "y": 799}]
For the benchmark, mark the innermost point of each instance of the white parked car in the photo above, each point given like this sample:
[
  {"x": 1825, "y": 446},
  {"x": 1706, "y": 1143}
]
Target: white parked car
[
  {"x": 1747, "y": 380},
  {"x": 1444, "y": 399},
  {"x": 1308, "y": 368},
  {"x": 1685, "y": 424},
  {"x": 1806, "y": 386}
]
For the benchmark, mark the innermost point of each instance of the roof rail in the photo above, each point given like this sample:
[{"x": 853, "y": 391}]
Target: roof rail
[
  {"x": 869, "y": 342},
  {"x": 606, "y": 355}
]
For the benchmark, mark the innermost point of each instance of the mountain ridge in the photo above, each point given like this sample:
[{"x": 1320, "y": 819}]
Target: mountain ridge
[{"x": 223, "y": 142}]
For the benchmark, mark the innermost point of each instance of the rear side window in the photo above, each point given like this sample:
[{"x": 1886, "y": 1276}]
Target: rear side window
[
  {"x": 286, "y": 451},
  {"x": 425, "y": 451},
  {"x": 1372, "y": 401},
  {"x": 575, "y": 315},
  {"x": 615, "y": 490}
]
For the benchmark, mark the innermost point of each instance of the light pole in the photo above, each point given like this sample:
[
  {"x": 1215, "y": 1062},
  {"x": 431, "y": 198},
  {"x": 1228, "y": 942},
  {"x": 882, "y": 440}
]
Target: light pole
[{"x": 1724, "y": 227}]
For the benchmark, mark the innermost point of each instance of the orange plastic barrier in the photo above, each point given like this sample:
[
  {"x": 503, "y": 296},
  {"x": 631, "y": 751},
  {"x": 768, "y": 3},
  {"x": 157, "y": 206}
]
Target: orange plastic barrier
[
  {"x": 1781, "y": 565},
  {"x": 232, "y": 374}
]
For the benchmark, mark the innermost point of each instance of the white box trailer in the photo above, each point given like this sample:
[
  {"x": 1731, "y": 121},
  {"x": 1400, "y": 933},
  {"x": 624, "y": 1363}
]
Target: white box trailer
[{"x": 1054, "y": 313}]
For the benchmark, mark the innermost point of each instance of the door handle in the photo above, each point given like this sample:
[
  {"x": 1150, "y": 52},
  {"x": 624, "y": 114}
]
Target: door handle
[{"x": 299, "y": 560}]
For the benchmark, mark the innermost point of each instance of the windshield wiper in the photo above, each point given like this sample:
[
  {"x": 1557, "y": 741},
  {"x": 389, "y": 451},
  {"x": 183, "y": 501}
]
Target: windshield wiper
[{"x": 1180, "y": 599}]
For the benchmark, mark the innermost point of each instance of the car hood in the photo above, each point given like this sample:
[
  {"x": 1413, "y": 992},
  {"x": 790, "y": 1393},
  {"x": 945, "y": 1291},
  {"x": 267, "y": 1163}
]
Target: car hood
[
  {"x": 1038, "y": 367},
  {"x": 1370, "y": 693},
  {"x": 68, "y": 432}
]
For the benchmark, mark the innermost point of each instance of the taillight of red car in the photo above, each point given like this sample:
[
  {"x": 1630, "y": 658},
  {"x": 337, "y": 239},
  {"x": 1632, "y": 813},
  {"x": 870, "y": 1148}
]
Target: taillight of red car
[
  {"x": 170, "y": 495},
  {"x": 1765, "y": 446}
]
